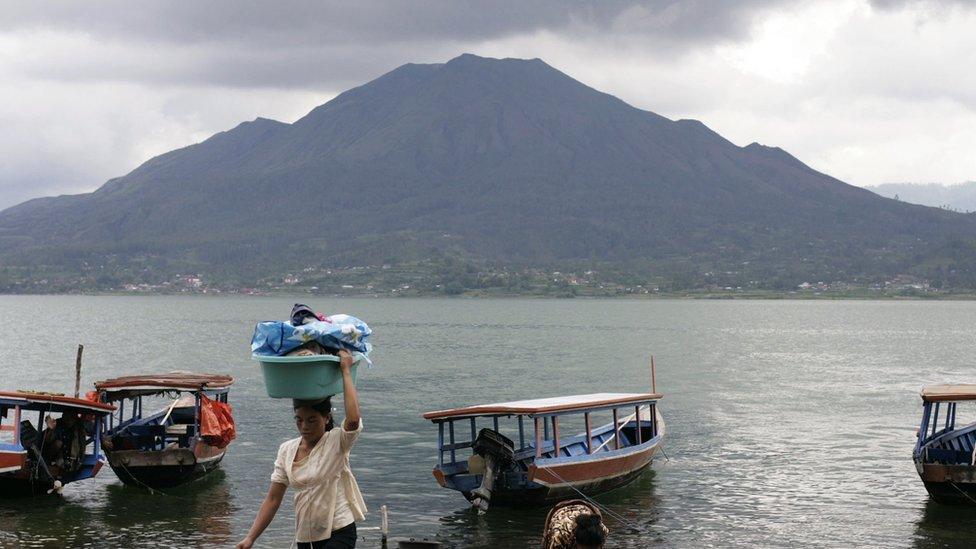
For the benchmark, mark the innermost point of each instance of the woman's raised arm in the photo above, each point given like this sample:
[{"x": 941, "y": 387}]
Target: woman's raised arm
[{"x": 349, "y": 396}]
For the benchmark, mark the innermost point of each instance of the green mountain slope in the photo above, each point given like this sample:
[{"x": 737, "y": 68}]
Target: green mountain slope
[{"x": 508, "y": 161}]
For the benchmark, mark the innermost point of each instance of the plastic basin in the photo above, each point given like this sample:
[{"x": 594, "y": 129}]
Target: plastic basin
[{"x": 304, "y": 377}]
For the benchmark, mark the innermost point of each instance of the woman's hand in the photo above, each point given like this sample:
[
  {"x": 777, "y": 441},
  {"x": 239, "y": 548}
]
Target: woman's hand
[
  {"x": 265, "y": 514},
  {"x": 345, "y": 360}
]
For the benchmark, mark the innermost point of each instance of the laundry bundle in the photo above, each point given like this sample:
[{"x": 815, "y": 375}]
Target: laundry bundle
[
  {"x": 299, "y": 356},
  {"x": 312, "y": 332}
]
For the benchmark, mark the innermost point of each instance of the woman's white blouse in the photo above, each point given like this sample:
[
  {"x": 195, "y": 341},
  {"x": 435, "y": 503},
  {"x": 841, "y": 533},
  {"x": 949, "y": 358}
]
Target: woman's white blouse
[{"x": 317, "y": 483}]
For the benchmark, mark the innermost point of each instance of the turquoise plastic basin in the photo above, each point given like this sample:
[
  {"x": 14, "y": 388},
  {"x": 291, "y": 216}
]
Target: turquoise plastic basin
[{"x": 304, "y": 377}]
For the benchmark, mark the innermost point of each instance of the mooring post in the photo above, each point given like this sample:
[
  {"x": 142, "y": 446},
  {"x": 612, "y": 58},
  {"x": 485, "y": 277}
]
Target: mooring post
[
  {"x": 653, "y": 377},
  {"x": 81, "y": 348},
  {"x": 384, "y": 524}
]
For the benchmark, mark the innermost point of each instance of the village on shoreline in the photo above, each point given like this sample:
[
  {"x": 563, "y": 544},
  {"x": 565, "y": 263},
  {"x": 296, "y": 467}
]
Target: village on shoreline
[{"x": 387, "y": 281}]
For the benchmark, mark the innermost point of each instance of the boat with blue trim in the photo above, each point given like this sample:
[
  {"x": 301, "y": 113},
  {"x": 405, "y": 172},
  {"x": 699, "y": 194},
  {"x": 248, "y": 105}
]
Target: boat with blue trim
[
  {"x": 183, "y": 441},
  {"x": 534, "y": 464},
  {"x": 66, "y": 448},
  {"x": 945, "y": 453}
]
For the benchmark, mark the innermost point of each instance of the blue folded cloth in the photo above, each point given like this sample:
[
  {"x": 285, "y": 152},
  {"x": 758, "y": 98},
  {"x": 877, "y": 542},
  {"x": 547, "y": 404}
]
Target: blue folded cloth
[{"x": 274, "y": 338}]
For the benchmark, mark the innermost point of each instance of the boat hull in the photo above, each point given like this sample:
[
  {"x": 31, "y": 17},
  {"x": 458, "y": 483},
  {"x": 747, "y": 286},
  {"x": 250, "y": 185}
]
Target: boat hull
[
  {"x": 18, "y": 483},
  {"x": 162, "y": 468},
  {"x": 950, "y": 484},
  {"x": 547, "y": 495},
  {"x": 22, "y": 486}
]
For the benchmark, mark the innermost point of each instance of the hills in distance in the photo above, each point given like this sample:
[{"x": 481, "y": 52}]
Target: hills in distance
[
  {"x": 482, "y": 165},
  {"x": 960, "y": 197}
]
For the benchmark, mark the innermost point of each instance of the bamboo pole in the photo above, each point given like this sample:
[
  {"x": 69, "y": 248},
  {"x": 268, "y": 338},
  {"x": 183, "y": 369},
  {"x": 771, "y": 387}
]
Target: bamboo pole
[
  {"x": 653, "y": 377},
  {"x": 81, "y": 349}
]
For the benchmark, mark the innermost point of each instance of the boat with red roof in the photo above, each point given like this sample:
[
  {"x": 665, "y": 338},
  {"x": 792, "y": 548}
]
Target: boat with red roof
[
  {"x": 41, "y": 458},
  {"x": 184, "y": 440}
]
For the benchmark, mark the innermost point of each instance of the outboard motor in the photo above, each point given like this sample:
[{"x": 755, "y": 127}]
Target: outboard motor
[{"x": 498, "y": 451}]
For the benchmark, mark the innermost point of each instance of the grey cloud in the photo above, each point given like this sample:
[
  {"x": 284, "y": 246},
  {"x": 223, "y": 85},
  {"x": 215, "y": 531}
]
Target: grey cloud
[
  {"x": 938, "y": 4},
  {"x": 307, "y": 43}
]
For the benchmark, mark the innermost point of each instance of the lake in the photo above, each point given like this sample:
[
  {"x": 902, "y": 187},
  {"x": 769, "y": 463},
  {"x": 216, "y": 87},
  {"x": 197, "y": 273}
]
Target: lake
[{"x": 789, "y": 422}]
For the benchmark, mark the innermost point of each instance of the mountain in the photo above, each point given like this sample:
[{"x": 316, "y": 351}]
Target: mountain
[
  {"x": 961, "y": 197},
  {"x": 501, "y": 161}
]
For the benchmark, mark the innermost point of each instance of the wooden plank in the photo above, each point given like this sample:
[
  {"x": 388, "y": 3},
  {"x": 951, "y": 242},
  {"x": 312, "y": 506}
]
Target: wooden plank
[
  {"x": 450, "y": 429},
  {"x": 555, "y": 436},
  {"x": 637, "y": 424},
  {"x": 546, "y": 405},
  {"x": 589, "y": 433},
  {"x": 440, "y": 444},
  {"x": 616, "y": 430},
  {"x": 538, "y": 438}
]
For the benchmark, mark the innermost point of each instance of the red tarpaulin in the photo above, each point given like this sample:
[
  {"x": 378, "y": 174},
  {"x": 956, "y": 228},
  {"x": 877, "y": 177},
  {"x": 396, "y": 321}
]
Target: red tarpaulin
[{"x": 216, "y": 422}]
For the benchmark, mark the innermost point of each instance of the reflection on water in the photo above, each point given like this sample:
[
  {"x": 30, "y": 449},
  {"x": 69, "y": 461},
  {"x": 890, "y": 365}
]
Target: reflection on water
[
  {"x": 197, "y": 514},
  {"x": 507, "y": 527},
  {"x": 945, "y": 526}
]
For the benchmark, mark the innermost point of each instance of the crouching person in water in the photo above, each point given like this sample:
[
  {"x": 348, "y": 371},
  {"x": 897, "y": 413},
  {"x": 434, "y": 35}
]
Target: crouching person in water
[
  {"x": 316, "y": 465},
  {"x": 574, "y": 524}
]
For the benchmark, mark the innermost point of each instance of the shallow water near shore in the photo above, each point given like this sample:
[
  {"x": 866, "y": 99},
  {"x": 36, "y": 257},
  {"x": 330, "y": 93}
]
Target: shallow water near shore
[{"x": 789, "y": 422}]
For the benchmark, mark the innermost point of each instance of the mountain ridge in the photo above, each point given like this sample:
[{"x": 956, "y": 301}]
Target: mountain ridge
[{"x": 513, "y": 160}]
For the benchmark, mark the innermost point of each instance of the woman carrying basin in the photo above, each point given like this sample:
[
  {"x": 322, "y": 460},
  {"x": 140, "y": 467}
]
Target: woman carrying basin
[{"x": 328, "y": 502}]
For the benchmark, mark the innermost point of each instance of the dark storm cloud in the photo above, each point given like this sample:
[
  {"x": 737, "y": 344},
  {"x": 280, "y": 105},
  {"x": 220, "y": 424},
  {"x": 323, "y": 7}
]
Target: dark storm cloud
[{"x": 307, "y": 43}]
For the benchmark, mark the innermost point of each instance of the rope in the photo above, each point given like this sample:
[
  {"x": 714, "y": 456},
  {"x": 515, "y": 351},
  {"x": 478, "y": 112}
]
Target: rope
[
  {"x": 604, "y": 509},
  {"x": 953, "y": 484},
  {"x": 147, "y": 487}
]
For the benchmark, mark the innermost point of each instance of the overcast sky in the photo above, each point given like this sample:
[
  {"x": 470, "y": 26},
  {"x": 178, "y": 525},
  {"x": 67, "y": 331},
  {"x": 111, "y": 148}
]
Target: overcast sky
[{"x": 866, "y": 91}]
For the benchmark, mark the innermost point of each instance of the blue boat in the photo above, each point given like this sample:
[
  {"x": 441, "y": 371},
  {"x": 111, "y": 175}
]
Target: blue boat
[
  {"x": 41, "y": 458},
  {"x": 166, "y": 447},
  {"x": 535, "y": 465},
  {"x": 945, "y": 453}
]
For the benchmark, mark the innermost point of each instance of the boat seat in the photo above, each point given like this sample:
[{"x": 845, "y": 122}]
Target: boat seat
[
  {"x": 177, "y": 429},
  {"x": 948, "y": 456}
]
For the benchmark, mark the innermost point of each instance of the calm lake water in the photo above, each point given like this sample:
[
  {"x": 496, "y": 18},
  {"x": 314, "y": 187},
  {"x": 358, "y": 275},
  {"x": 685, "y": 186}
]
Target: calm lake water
[{"x": 791, "y": 423}]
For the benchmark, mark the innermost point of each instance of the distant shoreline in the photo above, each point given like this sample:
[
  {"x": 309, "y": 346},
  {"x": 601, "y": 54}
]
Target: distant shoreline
[{"x": 689, "y": 295}]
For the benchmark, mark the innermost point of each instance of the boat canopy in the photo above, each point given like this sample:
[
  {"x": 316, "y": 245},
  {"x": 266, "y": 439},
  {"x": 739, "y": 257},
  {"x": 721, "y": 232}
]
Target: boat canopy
[
  {"x": 130, "y": 386},
  {"x": 51, "y": 402},
  {"x": 545, "y": 405},
  {"x": 949, "y": 392}
]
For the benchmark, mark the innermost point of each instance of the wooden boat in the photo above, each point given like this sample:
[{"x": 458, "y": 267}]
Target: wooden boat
[
  {"x": 66, "y": 449},
  {"x": 540, "y": 466},
  {"x": 945, "y": 454},
  {"x": 167, "y": 447}
]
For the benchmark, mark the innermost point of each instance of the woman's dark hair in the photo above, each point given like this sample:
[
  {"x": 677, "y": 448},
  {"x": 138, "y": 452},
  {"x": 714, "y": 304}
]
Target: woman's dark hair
[
  {"x": 323, "y": 407},
  {"x": 589, "y": 532}
]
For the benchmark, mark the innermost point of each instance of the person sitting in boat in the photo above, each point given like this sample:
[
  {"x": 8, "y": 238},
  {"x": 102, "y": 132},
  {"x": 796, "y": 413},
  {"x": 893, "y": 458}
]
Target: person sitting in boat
[
  {"x": 63, "y": 444},
  {"x": 316, "y": 464},
  {"x": 574, "y": 524}
]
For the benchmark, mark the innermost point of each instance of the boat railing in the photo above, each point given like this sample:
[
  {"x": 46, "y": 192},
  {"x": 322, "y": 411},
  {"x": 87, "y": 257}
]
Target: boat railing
[{"x": 545, "y": 436}]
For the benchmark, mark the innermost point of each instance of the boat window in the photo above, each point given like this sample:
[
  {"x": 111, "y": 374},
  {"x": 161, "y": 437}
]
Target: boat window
[
  {"x": 7, "y": 427},
  {"x": 963, "y": 415},
  {"x": 174, "y": 408}
]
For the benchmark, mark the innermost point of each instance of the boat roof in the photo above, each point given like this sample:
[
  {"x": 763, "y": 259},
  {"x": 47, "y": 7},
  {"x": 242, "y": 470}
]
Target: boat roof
[
  {"x": 171, "y": 381},
  {"x": 949, "y": 392},
  {"x": 545, "y": 405},
  {"x": 52, "y": 402}
]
